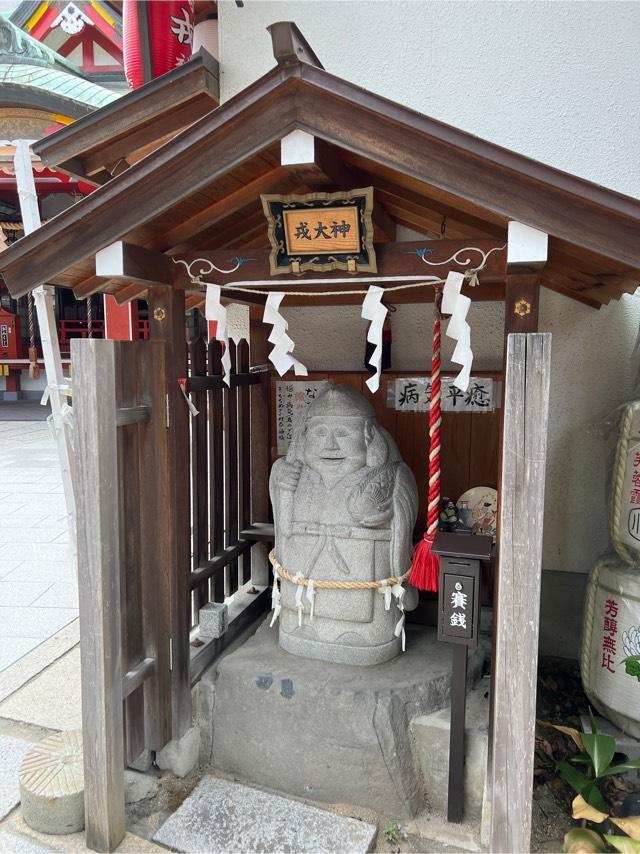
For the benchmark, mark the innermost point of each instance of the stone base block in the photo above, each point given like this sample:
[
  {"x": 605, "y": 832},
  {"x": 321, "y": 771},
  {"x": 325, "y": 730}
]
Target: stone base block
[
  {"x": 224, "y": 816},
  {"x": 214, "y": 620},
  {"x": 143, "y": 762},
  {"x": 334, "y": 733},
  {"x": 52, "y": 784},
  {"x": 431, "y": 743},
  {"x": 181, "y": 755}
]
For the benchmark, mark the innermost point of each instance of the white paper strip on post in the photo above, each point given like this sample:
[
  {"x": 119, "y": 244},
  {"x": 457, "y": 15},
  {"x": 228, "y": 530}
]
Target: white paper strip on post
[
  {"x": 457, "y": 304},
  {"x": 214, "y": 310},
  {"x": 374, "y": 311},
  {"x": 283, "y": 344}
]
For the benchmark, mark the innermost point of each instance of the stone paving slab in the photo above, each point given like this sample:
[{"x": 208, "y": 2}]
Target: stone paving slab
[
  {"x": 42, "y": 533},
  {"x": 51, "y": 699},
  {"x": 221, "y": 816},
  {"x": 14, "y": 844},
  {"x": 57, "y": 552},
  {"x": 72, "y": 843},
  {"x": 14, "y": 677},
  {"x": 61, "y": 594},
  {"x": 19, "y": 593},
  {"x": 38, "y": 623},
  {"x": 15, "y": 649},
  {"x": 52, "y": 571},
  {"x": 12, "y": 752}
]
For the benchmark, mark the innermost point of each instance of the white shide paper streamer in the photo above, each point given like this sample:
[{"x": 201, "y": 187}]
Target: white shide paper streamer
[
  {"x": 374, "y": 311},
  {"x": 457, "y": 305},
  {"x": 214, "y": 310},
  {"x": 283, "y": 345}
]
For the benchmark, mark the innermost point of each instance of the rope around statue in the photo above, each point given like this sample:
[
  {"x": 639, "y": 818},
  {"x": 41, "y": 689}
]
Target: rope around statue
[{"x": 392, "y": 587}]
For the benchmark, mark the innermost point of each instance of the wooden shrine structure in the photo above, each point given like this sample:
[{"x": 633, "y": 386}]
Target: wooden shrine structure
[{"x": 182, "y": 180}]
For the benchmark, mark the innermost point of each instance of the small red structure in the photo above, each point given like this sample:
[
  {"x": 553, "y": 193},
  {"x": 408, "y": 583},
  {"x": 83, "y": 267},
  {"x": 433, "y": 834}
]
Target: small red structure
[{"x": 10, "y": 348}]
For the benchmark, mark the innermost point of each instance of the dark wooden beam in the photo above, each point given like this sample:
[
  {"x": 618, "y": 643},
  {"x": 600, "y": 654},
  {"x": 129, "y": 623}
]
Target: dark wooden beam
[
  {"x": 263, "y": 121},
  {"x": 521, "y": 303},
  {"x": 167, "y": 324},
  {"x": 486, "y": 174},
  {"x": 393, "y": 259},
  {"x": 106, "y": 136},
  {"x": 186, "y": 233},
  {"x": 289, "y": 45},
  {"x": 330, "y": 166},
  {"x": 128, "y": 263}
]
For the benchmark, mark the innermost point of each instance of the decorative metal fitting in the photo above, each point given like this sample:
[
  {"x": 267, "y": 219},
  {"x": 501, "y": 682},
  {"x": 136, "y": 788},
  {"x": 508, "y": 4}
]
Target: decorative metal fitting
[
  {"x": 522, "y": 308},
  {"x": 159, "y": 314}
]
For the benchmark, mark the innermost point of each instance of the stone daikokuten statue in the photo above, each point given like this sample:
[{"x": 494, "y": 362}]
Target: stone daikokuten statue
[{"x": 344, "y": 508}]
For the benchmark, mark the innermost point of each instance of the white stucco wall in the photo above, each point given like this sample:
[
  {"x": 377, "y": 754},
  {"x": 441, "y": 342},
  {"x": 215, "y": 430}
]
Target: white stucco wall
[{"x": 557, "y": 81}]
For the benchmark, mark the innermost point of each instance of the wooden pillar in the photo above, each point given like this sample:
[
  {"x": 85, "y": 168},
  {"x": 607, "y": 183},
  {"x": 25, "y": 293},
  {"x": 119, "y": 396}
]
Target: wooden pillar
[
  {"x": 260, "y": 445},
  {"x": 120, "y": 321},
  {"x": 517, "y": 600},
  {"x": 167, "y": 324},
  {"x": 94, "y": 412},
  {"x": 521, "y": 302}
]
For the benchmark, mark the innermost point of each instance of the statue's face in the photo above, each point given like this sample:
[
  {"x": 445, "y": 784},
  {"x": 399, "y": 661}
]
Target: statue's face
[{"x": 335, "y": 446}]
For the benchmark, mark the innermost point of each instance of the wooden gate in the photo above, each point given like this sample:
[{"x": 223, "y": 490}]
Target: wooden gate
[{"x": 137, "y": 575}]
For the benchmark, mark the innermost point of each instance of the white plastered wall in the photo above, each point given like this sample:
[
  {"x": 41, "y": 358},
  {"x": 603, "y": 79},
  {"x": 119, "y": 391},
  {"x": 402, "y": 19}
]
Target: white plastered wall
[{"x": 557, "y": 81}]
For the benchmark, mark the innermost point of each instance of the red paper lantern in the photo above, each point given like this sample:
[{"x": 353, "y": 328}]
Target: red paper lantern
[{"x": 170, "y": 36}]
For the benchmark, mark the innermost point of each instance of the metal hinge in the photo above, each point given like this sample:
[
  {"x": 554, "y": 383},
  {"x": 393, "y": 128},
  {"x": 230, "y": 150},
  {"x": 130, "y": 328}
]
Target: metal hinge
[{"x": 170, "y": 653}]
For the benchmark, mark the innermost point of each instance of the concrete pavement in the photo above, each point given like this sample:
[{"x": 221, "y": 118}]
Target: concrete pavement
[{"x": 38, "y": 587}]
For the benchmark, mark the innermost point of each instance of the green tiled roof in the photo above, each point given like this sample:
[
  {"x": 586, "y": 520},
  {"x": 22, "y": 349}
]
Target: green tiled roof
[{"x": 56, "y": 82}]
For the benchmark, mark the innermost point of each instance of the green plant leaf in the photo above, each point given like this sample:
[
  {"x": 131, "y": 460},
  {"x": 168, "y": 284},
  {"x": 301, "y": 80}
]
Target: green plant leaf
[
  {"x": 594, "y": 728},
  {"x": 583, "y": 841},
  {"x": 631, "y": 765},
  {"x": 623, "y": 844},
  {"x": 592, "y": 795},
  {"x": 581, "y": 759},
  {"x": 576, "y": 779},
  {"x": 601, "y": 748},
  {"x": 582, "y": 785}
]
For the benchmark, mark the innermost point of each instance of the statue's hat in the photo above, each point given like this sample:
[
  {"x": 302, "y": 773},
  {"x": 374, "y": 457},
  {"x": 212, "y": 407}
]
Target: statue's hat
[{"x": 340, "y": 400}]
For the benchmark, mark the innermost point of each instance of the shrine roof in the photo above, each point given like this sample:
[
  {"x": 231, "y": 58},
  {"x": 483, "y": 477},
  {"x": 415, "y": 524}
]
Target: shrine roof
[
  {"x": 115, "y": 137},
  {"x": 52, "y": 89},
  {"x": 201, "y": 189}
]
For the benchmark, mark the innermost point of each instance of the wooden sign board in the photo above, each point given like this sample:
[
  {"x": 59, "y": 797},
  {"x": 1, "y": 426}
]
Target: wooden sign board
[
  {"x": 459, "y": 587},
  {"x": 321, "y": 231}
]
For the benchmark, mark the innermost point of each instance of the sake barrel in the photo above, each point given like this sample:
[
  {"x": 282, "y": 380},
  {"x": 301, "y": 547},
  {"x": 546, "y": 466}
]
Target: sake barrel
[
  {"x": 625, "y": 487},
  {"x": 611, "y": 633}
]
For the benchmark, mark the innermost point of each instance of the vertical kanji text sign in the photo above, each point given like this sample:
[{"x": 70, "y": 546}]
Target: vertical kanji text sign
[{"x": 458, "y": 605}]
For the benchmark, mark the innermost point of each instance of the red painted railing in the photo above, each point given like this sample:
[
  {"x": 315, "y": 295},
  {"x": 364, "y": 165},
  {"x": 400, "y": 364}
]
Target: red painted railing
[{"x": 68, "y": 329}]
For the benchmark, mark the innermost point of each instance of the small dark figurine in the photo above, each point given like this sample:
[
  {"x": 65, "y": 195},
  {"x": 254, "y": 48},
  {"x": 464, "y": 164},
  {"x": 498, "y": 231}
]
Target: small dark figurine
[{"x": 449, "y": 520}]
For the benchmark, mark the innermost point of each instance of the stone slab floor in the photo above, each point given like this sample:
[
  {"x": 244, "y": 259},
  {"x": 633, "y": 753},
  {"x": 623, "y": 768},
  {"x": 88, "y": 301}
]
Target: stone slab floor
[{"x": 38, "y": 588}]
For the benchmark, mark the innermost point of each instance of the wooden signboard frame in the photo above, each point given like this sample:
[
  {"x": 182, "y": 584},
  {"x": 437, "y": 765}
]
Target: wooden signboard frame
[{"x": 334, "y": 232}]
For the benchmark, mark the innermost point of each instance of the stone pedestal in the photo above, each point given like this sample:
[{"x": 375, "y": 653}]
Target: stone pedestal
[
  {"x": 431, "y": 740},
  {"x": 52, "y": 784},
  {"x": 328, "y": 732}
]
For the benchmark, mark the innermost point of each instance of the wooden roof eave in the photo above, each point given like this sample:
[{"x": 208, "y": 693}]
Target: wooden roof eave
[
  {"x": 248, "y": 124},
  {"x": 90, "y": 147},
  {"x": 580, "y": 213},
  {"x": 506, "y": 182}
]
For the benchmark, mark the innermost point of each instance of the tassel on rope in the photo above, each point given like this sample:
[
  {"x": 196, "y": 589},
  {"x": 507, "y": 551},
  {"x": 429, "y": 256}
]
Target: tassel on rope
[
  {"x": 34, "y": 368},
  {"x": 426, "y": 565}
]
